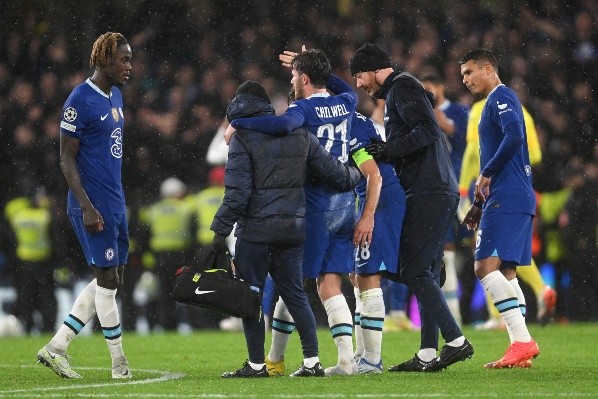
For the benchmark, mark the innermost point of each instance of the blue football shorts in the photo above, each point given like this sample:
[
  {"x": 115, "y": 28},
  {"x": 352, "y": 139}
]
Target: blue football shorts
[
  {"x": 383, "y": 253},
  {"x": 107, "y": 248},
  {"x": 505, "y": 235},
  {"x": 329, "y": 242}
]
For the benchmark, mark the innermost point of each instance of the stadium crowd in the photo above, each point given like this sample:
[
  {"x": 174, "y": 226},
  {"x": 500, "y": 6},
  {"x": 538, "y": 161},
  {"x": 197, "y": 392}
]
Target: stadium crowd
[{"x": 189, "y": 58}]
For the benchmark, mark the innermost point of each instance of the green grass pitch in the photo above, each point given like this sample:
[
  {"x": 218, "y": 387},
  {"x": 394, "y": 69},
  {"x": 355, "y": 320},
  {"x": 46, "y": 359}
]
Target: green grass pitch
[{"x": 189, "y": 366}]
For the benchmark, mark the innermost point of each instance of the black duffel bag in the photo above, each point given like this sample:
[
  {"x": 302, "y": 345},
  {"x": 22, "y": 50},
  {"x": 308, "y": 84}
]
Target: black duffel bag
[{"x": 212, "y": 285}]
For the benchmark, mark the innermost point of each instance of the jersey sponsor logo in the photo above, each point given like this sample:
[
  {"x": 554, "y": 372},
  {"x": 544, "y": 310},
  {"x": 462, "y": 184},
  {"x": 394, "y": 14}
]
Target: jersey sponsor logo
[
  {"x": 68, "y": 126},
  {"x": 120, "y": 112},
  {"x": 70, "y": 114},
  {"x": 115, "y": 114},
  {"x": 200, "y": 292},
  {"x": 503, "y": 108},
  {"x": 103, "y": 117},
  {"x": 109, "y": 254},
  {"x": 117, "y": 148}
]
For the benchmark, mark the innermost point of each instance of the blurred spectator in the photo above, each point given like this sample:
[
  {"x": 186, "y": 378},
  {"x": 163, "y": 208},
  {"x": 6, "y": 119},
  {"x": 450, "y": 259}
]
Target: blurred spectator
[
  {"x": 170, "y": 239},
  {"x": 33, "y": 232},
  {"x": 186, "y": 73}
]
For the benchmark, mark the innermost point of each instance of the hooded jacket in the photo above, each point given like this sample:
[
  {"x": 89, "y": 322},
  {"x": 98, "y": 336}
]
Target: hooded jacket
[
  {"x": 414, "y": 140},
  {"x": 265, "y": 176}
]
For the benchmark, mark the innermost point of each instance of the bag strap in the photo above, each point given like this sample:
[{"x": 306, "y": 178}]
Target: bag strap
[{"x": 226, "y": 265}]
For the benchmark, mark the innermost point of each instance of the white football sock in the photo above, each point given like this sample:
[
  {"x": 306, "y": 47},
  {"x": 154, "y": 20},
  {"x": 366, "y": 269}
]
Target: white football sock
[
  {"x": 109, "y": 320},
  {"x": 357, "y": 325},
  {"x": 520, "y": 297},
  {"x": 451, "y": 285},
  {"x": 505, "y": 299},
  {"x": 282, "y": 327},
  {"x": 256, "y": 366},
  {"x": 341, "y": 328},
  {"x": 372, "y": 321},
  {"x": 82, "y": 312},
  {"x": 427, "y": 354},
  {"x": 310, "y": 362}
]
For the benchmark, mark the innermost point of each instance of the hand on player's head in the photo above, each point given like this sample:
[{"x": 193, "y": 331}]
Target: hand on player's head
[{"x": 287, "y": 56}]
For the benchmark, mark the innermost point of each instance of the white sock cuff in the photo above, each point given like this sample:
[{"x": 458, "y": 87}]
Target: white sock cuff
[
  {"x": 105, "y": 292},
  {"x": 335, "y": 302},
  {"x": 449, "y": 257},
  {"x": 91, "y": 287},
  {"x": 427, "y": 354},
  {"x": 281, "y": 312},
  {"x": 491, "y": 278},
  {"x": 371, "y": 293},
  {"x": 310, "y": 362}
]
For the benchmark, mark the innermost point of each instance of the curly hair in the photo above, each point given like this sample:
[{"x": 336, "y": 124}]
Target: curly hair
[
  {"x": 314, "y": 64},
  {"x": 104, "y": 49}
]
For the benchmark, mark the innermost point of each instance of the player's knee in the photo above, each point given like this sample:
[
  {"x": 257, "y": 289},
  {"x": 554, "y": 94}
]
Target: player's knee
[{"x": 107, "y": 278}]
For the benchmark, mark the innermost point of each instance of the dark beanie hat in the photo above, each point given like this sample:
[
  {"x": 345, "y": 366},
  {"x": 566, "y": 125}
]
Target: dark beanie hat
[
  {"x": 253, "y": 88},
  {"x": 368, "y": 57}
]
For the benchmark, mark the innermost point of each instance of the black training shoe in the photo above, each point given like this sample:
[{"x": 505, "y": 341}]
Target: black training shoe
[
  {"x": 246, "y": 372},
  {"x": 414, "y": 364},
  {"x": 316, "y": 371},
  {"x": 450, "y": 355}
]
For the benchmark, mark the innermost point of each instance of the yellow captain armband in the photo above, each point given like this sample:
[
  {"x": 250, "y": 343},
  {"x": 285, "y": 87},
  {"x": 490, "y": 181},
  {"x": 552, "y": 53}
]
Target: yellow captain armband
[{"x": 360, "y": 156}]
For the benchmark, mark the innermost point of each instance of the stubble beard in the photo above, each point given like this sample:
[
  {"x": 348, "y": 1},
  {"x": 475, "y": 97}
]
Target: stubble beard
[{"x": 299, "y": 91}]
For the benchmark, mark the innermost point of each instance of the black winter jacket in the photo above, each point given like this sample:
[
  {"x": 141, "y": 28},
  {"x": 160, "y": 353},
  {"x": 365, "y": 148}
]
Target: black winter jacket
[
  {"x": 415, "y": 143},
  {"x": 264, "y": 179}
]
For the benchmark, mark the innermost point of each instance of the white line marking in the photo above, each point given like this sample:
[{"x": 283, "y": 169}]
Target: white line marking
[
  {"x": 162, "y": 376},
  {"x": 168, "y": 375}
]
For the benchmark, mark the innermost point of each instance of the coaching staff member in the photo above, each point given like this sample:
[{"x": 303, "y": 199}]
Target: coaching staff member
[{"x": 417, "y": 150}]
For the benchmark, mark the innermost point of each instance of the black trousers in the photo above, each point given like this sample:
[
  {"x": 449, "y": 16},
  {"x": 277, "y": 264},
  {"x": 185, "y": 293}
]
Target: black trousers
[
  {"x": 35, "y": 291},
  {"x": 426, "y": 222},
  {"x": 284, "y": 263}
]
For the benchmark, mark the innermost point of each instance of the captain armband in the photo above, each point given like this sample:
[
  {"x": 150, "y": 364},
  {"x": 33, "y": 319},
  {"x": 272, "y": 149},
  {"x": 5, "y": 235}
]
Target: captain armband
[{"x": 360, "y": 156}]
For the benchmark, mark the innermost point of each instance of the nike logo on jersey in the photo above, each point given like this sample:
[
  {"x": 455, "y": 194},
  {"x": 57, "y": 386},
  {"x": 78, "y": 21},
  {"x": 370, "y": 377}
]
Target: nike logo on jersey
[
  {"x": 199, "y": 292},
  {"x": 362, "y": 264},
  {"x": 103, "y": 117}
]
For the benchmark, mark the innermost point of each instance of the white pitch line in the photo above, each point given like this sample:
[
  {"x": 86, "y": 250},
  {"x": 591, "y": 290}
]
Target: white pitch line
[
  {"x": 163, "y": 376},
  {"x": 167, "y": 376}
]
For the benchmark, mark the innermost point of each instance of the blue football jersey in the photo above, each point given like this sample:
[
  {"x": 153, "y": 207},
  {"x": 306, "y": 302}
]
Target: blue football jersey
[
  {"x": 97, "y": 121},
  {"x": 329, "y": 118},
  {"x": 363, "y": 133},
  {"x": 511, "y": 189}
]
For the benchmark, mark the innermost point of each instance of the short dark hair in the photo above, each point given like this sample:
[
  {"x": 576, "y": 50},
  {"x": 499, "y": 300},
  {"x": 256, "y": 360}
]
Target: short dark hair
[
  {"x": 315, "y": 64},
  {"x": 478, "y": 55}
]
